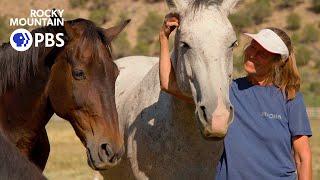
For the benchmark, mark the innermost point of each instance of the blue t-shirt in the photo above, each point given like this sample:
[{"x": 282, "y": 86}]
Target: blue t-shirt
[{"x": 258, "y": 144}]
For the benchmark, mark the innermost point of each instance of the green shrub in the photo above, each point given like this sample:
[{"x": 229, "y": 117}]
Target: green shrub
[
  {"x": 315, "y": 87},
  {"x": 255, "y": 13},
  {"x": 304, "y": 87},
  {"x": 293, "y": 21},
  {"x": 295, "y": 38},
  {"x": 142, "y": 48},
  {"x": 303, "y": 55},
  {"x": 311, "y": 99},
  {"x": 98, "y": 16},
  {"x": 122, "y": 45},
  {"x": 5, "y": 30},
  {"x": 316, "y": 5},
  {"x": 98, "y": 11},
  {"x": 259, "y": 10},
  {"x": 149, "y": 29},
  {"x": 99, "y": 4},
  {"x": 69, "y": 16},
  {"x": 147, "y": 34},
  {"x": 310, "y": 34},
  {"x": 123, "y": 16},
  {"x": 317, "y": 67},
  {"x": 240, "y": 20},
  {"x": 318, "y": 64},
  {"x": 77, "y": 3},
  {"x": 288, "y": 3}
]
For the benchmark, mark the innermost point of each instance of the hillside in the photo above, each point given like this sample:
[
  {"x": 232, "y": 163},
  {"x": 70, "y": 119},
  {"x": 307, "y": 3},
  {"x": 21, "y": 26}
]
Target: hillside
[{"x": 147, "y": 15}]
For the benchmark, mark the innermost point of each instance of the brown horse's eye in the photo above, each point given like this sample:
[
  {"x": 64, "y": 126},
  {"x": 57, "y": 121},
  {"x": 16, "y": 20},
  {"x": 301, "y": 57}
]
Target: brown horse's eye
[{"x": 78, "y": 74}]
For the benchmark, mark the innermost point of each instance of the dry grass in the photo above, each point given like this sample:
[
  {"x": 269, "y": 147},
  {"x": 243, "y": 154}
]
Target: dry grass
[
  {"x": 68, "y": 159},
  {"x": 315, "y": 147}
]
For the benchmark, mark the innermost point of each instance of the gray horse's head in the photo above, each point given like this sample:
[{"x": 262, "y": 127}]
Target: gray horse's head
[{"x": 202, "y": 59}]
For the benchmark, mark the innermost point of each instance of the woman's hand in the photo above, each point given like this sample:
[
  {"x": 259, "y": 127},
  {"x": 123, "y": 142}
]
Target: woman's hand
[
  {"x": 168, "y": 81},
  {"x": 171, "y": 21}
]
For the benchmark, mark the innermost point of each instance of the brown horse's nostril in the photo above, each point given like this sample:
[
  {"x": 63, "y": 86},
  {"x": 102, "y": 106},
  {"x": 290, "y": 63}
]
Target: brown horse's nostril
[{"x": 108, "y": 151}]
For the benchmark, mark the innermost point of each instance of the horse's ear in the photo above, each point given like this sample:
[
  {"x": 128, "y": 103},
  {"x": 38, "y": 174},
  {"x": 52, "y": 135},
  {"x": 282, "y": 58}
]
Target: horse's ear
[
  {"x": 177, "y": 5},
  {"x": 112, "y": 32},
  {"x": 69, "y": 30},
  {"x": 228, "y": 5}
]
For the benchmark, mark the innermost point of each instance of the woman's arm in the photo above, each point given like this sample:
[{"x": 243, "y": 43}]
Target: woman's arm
[
  {"x": 302, "y": 156},
  {"x": 168, "y": 81}
]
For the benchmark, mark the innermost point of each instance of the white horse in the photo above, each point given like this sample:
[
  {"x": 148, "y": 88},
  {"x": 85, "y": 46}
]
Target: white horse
[{"x": 161, "y": 136}]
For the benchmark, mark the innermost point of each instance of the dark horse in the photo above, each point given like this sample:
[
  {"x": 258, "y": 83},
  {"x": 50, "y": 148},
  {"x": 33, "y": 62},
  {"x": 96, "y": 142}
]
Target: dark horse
[
  {"x": 76, "y": 81},
  {"x": 14, "y": 166}
]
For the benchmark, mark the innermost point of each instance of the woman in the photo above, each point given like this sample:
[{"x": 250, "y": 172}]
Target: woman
[{"x": 270, "y": 116}]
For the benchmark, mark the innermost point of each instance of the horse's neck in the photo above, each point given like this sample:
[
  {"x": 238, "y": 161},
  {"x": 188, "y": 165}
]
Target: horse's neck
[
  {"x": 23, "y": 100},
  {"x": 34, "y": 85},
  {"x": 147, "y": 98},
  {"x": 182, "y": 107}
]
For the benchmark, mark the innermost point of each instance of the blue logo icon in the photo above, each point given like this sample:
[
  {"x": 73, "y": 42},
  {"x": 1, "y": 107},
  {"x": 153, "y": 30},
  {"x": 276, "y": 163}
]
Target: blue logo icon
[{"x": 21, "y": 39}]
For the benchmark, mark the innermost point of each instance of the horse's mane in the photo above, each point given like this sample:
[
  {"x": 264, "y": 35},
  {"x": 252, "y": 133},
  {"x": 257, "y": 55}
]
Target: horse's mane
[{"x": 16, "y": 67}]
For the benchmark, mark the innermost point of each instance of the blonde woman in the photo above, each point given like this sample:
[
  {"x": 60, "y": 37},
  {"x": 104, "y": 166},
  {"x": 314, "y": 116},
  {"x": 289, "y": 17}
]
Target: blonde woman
[{"x": 269, "y": 137}]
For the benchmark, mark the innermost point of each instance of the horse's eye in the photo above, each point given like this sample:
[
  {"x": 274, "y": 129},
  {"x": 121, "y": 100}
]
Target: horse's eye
[
  {"x": 78, "y": 74},
  {"x": 234, "y": 44},
  {"x": 184, "y": 45}
]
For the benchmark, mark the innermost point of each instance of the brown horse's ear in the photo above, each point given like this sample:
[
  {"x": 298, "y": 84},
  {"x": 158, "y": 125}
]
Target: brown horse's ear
[
  {"x": 69, "y": 30},
  {"x": 112, "y": 32}
]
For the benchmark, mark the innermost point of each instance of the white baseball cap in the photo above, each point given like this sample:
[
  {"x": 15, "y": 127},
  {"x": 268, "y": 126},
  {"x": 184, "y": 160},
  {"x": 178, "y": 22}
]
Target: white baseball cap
[{"x": 270, "y": 41}]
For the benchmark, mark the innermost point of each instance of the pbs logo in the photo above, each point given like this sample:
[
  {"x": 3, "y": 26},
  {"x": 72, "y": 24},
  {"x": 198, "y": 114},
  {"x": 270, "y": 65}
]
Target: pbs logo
[{"x": 22, "y": 40}]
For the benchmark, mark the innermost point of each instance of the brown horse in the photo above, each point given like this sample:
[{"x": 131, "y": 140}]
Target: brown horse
[
  {"x": 14, "y": 166},
  {"x": 76, "y": 81}
]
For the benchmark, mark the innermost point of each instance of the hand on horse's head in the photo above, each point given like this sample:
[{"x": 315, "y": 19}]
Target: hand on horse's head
[{"x": 171, "y": 21}]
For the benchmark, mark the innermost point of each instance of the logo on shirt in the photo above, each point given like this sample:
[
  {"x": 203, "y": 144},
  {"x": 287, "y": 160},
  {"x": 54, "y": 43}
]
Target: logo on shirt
[{"x": 271, "y": 115}]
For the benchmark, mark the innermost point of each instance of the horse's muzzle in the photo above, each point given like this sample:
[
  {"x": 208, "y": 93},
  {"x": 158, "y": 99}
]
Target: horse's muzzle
[
  {"x": 213, "y": 126},
  {"x": 105, "y": 157}
]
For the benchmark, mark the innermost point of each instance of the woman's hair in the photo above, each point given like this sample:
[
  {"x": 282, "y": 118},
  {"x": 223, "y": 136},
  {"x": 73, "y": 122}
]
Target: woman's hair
[{"x": 284, "y": 73}]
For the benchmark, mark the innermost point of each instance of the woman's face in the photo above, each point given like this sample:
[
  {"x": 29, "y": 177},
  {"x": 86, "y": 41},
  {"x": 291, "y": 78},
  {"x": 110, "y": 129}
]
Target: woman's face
[{"x": 257, "y": 60}]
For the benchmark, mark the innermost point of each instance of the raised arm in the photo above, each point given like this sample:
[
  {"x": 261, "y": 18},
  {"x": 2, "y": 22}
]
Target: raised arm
[{"x": 168, "y": 81}]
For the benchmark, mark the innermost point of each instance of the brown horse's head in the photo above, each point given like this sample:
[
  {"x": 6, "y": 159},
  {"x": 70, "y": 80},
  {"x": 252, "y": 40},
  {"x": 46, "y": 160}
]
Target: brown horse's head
[{"x": 82, "y": 90}]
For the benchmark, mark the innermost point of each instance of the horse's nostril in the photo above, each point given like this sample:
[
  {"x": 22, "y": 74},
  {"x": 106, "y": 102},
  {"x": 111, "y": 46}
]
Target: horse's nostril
[
  {"x": 203, "y": 109},
  {"x": 107, "y": 149}
]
